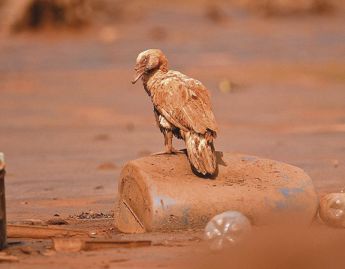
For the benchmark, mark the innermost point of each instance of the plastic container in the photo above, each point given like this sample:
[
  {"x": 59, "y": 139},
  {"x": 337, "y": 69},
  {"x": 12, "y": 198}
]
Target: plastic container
[{"x": 227, "y": 229}]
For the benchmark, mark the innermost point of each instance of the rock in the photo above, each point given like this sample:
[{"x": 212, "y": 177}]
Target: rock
[
  {"x": 57, "y": 221},
  {"x": 332, "y": 209},
  {"x": 160, "y": 193}
]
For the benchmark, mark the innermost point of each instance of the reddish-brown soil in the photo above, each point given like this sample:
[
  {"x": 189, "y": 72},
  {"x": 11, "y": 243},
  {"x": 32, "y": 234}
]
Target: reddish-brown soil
[{"x": 70, "y": 119}]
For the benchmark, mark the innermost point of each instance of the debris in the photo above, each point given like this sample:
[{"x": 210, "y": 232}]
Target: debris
[
  {"x": 68, "y": 244},
  {"x": 48, "y": 252},
  {"x": 110, "y": 243},
  {"x": 2, "y": 202},
  {"x": 4, "y": 257},
  {"x": 271, "y": 8},
  {"x": 69, "y": 14},
  {"x": 94, "y": 215},
  {"x": 56, "y": 13},
  {"x": 176, "y": 198},
  {"x": 57, "y": 221},
  {"x": 41, "y": 232},
  {"x": 75, "y": 244},
  {"x": 332, "y": 209},
  {"x": 32, "y": 222},
  {"x": 227, "y": 228},
  {"x": 27, "y": 250}
]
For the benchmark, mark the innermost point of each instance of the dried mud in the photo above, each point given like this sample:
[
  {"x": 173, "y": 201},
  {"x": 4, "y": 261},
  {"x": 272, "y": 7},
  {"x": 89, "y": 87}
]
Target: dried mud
[{"x": 68, "y": 111}]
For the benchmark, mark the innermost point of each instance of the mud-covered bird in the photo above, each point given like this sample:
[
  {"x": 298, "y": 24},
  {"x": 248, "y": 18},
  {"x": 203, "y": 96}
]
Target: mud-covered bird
[{"x": 182, "y": 109}]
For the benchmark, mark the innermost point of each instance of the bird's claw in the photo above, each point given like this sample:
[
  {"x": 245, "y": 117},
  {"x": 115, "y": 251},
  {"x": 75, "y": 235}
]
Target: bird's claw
[{"x": 172, "y": 151}]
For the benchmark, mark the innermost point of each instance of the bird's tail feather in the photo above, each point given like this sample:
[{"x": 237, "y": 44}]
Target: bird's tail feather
[{"x": 201, "y": 153}]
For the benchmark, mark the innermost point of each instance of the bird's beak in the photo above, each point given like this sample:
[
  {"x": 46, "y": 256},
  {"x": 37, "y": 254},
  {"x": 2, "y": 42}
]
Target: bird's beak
[
  {"x": 136, "y": 77},
  {"x": 139, "y": 71}
]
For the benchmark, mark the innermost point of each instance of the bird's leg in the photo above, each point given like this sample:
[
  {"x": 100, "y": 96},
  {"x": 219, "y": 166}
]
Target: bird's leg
[{"x": 168, "y": 136}]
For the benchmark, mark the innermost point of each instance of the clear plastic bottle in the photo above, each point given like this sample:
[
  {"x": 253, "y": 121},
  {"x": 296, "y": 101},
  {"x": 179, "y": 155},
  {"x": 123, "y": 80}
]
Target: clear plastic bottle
[
  {"x": 226, "y": 229},
  {"x": 332, "y": 209}
]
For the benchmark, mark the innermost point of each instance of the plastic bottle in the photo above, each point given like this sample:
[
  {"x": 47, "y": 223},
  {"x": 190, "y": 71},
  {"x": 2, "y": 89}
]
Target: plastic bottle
[{"x": 226, "y": 229}]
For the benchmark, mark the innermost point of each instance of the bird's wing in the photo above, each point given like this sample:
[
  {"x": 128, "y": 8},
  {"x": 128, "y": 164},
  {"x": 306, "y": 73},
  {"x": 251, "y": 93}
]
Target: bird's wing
[{"x": 185, "y": 103}]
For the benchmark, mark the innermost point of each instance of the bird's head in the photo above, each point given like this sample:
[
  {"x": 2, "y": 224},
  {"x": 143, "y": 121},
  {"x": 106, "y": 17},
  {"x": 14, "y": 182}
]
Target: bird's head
[{"x": 148, "y": 62}]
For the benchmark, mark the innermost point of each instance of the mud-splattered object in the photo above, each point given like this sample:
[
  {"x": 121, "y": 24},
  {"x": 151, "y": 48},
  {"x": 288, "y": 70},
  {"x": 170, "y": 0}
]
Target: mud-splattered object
[
  {"x": 332, "y": 209},
  {"x": 226, "y": 229},
  {"x": 160, "y": 193},
  {"x": 2, "y": 203}
]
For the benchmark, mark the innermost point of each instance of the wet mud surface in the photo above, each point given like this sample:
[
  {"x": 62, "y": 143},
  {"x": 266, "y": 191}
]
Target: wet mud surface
[{"x": 70, "y": 118}]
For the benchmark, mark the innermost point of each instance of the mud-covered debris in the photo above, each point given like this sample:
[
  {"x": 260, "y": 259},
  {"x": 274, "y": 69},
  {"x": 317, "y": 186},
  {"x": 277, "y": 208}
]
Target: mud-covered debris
[
  {"x": 94, "y": 215},
  {"x": 28, "y": 250},
  {"x": 4, "y": 257},
  {"x": 53, "y": 13},
  {"x": 59, "y": 14},
  {"x": 77, "y": 244},
  {"x": 226, "y": 229},
  {"x": 41, "y": 232},
  {"x": 332, "y": 209},
  {"x": 57, "y": 221},
  {"x": 290, "y": 7},
  {"x": 48, "y": 252},
  {"x": 32, "y": 222}
]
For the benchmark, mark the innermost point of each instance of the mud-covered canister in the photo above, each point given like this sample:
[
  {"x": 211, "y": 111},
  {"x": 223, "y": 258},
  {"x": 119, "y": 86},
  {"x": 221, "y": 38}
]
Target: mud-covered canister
[{"x": 2, "y": 203}]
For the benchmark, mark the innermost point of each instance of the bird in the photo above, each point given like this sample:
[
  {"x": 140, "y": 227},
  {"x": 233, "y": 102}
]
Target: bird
[{"x": 182, "y": 108}]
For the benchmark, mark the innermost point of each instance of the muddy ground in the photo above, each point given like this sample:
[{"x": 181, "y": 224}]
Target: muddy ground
[{"x": 70, "y": 118}]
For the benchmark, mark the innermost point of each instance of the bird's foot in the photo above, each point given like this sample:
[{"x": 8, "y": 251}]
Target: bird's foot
[
  {"x": 171, "y": 151},
  {"x": 167, "y": 151}
]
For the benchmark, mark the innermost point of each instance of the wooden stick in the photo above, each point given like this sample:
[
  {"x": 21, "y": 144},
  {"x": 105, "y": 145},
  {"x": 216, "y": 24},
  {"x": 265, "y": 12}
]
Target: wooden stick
[
  {"x": 2, "y": 203},
  {"x": 78, "y": 244},
  {"x": 37, "y": 232},
  {"x": 109, "y": 243},
  {"x": 8, "y": 258}
]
